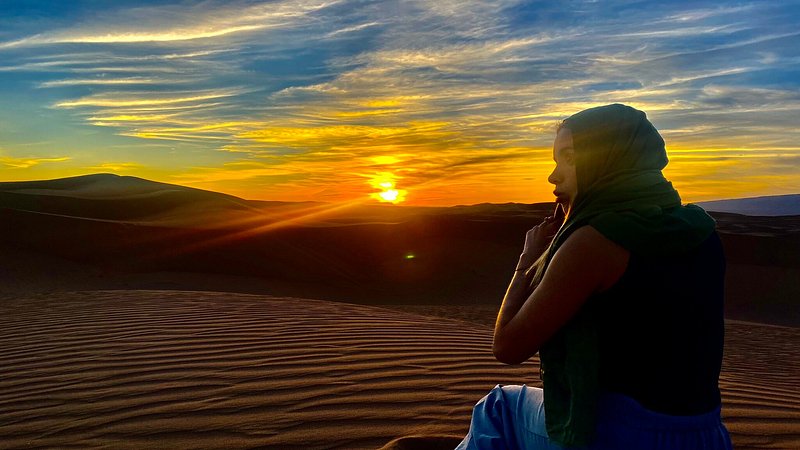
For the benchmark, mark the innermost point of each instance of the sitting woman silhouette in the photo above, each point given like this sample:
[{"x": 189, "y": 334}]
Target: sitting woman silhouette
[{"x": 621, "y": 293}]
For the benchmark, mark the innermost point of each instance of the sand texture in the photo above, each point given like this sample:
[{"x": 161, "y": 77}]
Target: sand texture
[{"x": 172, "y": 369}]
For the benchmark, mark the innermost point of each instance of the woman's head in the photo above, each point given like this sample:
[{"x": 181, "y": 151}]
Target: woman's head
[{"x": 599, "y": 144}]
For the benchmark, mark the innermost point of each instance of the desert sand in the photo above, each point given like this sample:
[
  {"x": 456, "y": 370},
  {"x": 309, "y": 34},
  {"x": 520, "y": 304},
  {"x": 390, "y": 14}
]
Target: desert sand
[
  {"x": 138, "y": 314},
  {"x": 174, "y": 369}
]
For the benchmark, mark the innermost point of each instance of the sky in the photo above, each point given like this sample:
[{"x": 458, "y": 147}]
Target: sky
[{"x": 431, "y": 103}]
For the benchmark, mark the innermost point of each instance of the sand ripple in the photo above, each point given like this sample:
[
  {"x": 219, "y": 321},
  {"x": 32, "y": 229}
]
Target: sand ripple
[
  {"x": 187, "y": 369},
  {"x": 158, "y": 369}
]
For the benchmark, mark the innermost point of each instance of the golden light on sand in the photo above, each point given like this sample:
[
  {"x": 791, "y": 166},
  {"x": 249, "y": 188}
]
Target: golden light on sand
[{"x": 385, "y": 182}]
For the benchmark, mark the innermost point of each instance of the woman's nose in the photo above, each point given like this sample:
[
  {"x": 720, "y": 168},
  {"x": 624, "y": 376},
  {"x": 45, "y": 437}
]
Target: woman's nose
[{"x": 552, "y": 179}]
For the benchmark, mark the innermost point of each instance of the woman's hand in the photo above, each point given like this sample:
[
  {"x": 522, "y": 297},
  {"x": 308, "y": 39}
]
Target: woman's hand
[{"x": 538, "y": 238}]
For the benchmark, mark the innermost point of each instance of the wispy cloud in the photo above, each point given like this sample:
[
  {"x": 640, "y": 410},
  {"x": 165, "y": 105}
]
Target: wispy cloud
[
  {"x": 100, "y": 82},
  {"x": 172, "y": 23},
  {"x": 117, "y": 167},
  {"x": 115, "y": 102},
  {"x": 25, "y": 163},
  {"x": 351, "y": 29},
  {"x": 457, "y": 100},
  {"x": 131, "y": 37}
]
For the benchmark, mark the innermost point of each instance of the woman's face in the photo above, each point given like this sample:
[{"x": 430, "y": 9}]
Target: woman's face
[{"x": 563, "y": 176}]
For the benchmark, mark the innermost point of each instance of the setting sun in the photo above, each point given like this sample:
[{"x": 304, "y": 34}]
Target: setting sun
[
  {"x": 390, "y": 195},
  {"x": 385, "y": 182}
]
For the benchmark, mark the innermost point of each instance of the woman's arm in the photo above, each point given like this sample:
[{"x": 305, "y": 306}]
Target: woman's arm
[
  {"x": 586, "y": 263},
  {"x": 537, "y": 240}
]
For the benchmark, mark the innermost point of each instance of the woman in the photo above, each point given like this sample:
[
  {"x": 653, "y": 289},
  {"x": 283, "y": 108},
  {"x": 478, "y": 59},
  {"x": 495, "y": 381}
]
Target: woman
[{"x": 621, "y": 293}]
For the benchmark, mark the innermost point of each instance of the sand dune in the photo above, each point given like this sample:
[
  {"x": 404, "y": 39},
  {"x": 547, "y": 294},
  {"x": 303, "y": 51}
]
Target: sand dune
[
  {"x": 218, "y": 370},
  {"x": 173, "y": 369},
  {"x": 89, "y": 359},
  {"x": 128, "y": 233},
  {"x": 459, "y": 255}
]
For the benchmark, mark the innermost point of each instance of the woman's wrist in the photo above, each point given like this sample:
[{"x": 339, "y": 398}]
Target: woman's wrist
[{"x": 525, "y": 262}]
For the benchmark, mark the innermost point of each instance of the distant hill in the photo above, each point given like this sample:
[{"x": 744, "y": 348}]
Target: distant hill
[
  {"x": 99, "y": 185},
  {"x": 773, "y": 205},
  {"x": 106, "y": 196}
]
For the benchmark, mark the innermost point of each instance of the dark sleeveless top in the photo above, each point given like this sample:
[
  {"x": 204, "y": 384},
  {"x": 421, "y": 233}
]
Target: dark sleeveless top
[{"x": 661, "y": 329}]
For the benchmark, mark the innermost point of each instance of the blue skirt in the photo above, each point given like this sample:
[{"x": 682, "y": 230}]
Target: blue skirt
[{"x": 512, "y": 417}]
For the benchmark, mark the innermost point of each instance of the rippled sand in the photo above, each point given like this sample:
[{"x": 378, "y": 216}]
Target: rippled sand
[{"x": 172, "y": 369}]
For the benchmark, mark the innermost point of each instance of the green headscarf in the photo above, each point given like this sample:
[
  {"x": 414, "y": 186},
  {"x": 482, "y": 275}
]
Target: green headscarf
[{"x": 621, "y": 193}]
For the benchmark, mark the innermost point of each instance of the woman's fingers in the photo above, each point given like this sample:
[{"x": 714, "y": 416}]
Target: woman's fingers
[{"x": 551, "y": 219}]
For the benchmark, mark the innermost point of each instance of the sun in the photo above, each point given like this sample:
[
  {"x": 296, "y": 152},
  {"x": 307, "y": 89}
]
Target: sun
[
  {"x": 385, "y": 182},
  {"x": 390, "y": 195}
]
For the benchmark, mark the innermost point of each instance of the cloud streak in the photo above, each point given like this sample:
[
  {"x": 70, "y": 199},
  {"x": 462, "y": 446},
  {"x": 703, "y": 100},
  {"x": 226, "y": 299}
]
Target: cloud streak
[
  {"x": 179, "y": 25},
  {"x": 310, "y": 99},
  {"x": 25, "y": 163}
]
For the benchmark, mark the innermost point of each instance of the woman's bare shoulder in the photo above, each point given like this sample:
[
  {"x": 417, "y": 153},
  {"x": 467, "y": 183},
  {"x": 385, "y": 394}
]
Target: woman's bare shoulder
[{"x": 608, "y": 258}]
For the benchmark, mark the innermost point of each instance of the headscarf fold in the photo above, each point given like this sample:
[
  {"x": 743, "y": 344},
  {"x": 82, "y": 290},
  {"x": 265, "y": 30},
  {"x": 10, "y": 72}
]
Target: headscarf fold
[{"x": 623, "y": 195}]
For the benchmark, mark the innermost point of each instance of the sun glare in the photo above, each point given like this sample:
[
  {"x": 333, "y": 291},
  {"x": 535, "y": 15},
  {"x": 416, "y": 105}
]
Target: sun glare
[
  {"x": 389, "y": 195},
  {"x": 385, "y": 183}
]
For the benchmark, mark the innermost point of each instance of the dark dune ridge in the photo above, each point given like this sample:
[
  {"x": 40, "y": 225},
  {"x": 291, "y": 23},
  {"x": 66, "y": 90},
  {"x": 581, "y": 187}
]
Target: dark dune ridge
[{"x": 114, "y": 232}]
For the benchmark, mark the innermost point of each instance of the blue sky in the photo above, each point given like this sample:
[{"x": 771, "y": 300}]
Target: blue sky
[{"x": 445, "y": 102}]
